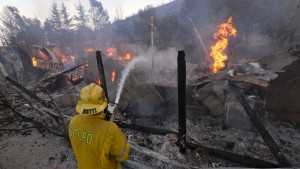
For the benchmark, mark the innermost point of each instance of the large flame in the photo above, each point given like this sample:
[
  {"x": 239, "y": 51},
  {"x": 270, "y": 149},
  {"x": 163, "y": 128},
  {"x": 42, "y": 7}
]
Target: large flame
[
  {"x": 34, "y": 62},
  {"x": 113, "y": 75},
  {"x": 225, "y": 30},
  {"x": 42, "y": 55}
]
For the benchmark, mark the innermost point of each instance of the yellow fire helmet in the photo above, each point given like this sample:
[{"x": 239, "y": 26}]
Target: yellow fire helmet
[{"x": 91, "y": 100}]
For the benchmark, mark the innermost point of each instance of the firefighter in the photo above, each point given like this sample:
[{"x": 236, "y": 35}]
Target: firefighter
[{"x": 97, "y": 143}]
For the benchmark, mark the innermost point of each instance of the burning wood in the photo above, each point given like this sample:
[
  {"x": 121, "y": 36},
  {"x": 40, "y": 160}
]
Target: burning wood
[
  {"x": 225, "y": 30},
  {"x": 63, "y": 57},
  {"x": 75, "y": 78},
  {"x": 62, "y": 73},
  {"x": 127, "y": 56},
  {"x": 42, "y": 54},
  {"x": 113, "y": 75},
  {"x": 34, "y": 62},
  {"x": 112, "y": 53}
]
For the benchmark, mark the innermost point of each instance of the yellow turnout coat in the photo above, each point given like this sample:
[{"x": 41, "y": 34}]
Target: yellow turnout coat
[{"x": 97, "y": 144}]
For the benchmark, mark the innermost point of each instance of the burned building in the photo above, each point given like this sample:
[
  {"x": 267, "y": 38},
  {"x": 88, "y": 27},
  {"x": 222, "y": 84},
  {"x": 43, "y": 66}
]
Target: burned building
[{"x": 283, "y": 92}]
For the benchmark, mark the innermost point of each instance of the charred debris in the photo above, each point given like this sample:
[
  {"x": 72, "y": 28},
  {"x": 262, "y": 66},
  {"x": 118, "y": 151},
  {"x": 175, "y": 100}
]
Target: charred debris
[{"x": 196, "y": 109}]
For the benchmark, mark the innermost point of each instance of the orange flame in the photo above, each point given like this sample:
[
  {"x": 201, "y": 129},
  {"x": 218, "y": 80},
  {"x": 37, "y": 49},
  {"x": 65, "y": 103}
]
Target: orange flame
[
  {"x": 127, "y": 56},
  {"x": 34, "y": 62},
  {"x": 89, "y": 50},
  {"x": 63, "y": 57},
  {"x": 113, "y": 75},
  {"x": 110, "y": 52},
  {"x": 225, "y": 30},
  {"x": 75, "y": 78},
  {"x": 42, "y": 54},
  {"x": 98, "y": 82}
]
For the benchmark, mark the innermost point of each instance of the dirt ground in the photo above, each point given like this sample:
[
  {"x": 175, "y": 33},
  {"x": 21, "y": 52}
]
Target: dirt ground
[
  {"x": 37, "y": 148},
  {"x": 31, "y": 149}
]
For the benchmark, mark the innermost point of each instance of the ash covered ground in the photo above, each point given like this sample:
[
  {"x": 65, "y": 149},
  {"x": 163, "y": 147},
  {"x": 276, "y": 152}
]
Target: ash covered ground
[{"x": 37, "y": 148}]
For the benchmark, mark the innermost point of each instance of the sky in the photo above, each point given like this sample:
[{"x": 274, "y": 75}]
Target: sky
[{"x": 41, "y": 8}]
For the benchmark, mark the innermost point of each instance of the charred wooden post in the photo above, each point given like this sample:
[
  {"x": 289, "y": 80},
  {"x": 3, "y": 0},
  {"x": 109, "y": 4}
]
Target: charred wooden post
[
  {"x": 62, "y": 73},
  {"x": 181, "y": 78},
  {"x": 236, "y": 158},
  {"x": 141, "y": 128},
  {"x": 102, "y": 79},
  {"x": 283, "y": 162}
]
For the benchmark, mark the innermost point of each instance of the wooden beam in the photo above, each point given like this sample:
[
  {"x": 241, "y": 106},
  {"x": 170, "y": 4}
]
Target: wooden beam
[
  {"x": 236, "y": 158},
  {"x": 283, "y": 162},
  {"x": 181, "y": 78},
  {"x": 146, "y": 129},
  {"x": 250, "y": 79},
  {"x": 158, "y": 156},
  {"x": 102, "y": 80},
  {"x": 62, "y": 73},
  {"x": 26, "y": 91}
]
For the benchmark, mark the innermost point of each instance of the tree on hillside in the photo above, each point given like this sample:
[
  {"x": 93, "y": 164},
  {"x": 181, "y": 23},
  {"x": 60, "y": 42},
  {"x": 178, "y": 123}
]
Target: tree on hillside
[
  {"x": 67, "y": 25},
  {"x": 11, "y": 22},
  {"x": 119, "y": 13},
  {"x": 49, "y": 32},
  {"x": 167, "y": 30},
  {"x": 53, "y": 25},
  {"x": 122, "y": 29},
  {"x": 81, "y": 17},
  {"x": 98, "y": 14},
  {"x": 33, "y": 32},
  {"x": 66, "y": 19},
  {"x": 15, "y": 27},
  {"x": 55, "y": 18},
  {"x": 83, "y": 32}
]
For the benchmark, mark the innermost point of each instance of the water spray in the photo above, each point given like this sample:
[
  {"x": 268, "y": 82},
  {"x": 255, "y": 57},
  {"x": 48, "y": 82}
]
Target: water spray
[{"x": 125, "y": 73}]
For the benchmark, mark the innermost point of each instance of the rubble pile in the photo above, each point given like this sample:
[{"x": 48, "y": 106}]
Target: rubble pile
[
  {"x": 209, "y": 132},
  {"x": 217, "y": 118}
]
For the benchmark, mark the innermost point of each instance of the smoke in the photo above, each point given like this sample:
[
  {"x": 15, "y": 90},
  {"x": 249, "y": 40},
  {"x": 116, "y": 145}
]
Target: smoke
[
  {"x": 141, "y": 89},
  {"x": 162, "y": 60}
]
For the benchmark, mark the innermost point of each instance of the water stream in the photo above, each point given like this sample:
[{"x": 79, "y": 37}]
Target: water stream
[{"x": 125, "y": 73}]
